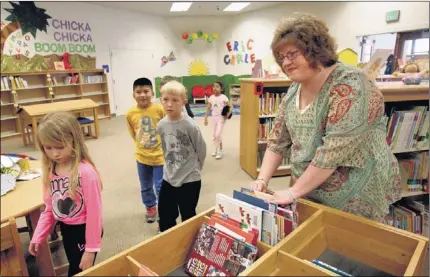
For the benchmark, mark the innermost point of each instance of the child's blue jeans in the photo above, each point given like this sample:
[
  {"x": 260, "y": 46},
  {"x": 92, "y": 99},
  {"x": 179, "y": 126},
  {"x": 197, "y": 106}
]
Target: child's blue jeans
[{"x": 149, "y": 177}]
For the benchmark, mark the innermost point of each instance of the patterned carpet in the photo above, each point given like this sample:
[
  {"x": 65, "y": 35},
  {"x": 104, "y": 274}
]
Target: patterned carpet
[{"x": 200, "y": 109}]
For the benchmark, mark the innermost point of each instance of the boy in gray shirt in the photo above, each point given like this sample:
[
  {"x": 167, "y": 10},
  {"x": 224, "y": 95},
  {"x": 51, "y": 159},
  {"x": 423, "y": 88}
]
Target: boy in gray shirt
[{"x": 185, "y": 152}]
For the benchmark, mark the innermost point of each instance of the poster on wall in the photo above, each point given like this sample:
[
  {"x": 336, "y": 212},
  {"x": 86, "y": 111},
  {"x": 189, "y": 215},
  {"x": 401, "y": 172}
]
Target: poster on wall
[
  {"x": 32, "y": 40},
  {"x": 166, "y": 59},
  {"x": 198, "y": 68},
  {"x": 239, "y": 52}
]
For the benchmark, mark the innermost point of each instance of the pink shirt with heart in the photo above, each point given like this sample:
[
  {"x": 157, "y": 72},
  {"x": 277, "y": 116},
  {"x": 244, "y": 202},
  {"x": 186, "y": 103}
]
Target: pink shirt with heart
[{"x": 86, "y": 208}]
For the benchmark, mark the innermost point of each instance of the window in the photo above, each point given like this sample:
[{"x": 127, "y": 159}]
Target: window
[
  {"x": 418, "y": 46},
  {"x": 421, "y": 46}
]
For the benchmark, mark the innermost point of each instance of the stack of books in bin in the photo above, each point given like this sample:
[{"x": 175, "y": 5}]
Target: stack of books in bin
[{"x": 226, "y": 245}]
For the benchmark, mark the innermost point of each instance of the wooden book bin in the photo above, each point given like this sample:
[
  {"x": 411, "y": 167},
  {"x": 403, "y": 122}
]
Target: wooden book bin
[
  {"x": 320, "y": 228},
  {"x": 12, "y": 256}
]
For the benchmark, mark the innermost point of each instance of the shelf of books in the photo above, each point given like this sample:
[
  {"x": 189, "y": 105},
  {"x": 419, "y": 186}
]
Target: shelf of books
[
  {"x": 30, "y": 88},
  {"x": 257, "y": 117},
  {"x": 243, "y": 235},
  {"x": 94, "y": 86},
  {"x": 408, "y": 134},
  {"x": 235, "y": 94}
]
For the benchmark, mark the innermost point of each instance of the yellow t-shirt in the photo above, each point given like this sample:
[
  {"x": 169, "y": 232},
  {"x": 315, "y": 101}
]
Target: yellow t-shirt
[{"x": 142, "y": 125}]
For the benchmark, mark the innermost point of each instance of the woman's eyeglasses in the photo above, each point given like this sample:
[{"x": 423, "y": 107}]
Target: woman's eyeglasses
[{"x": 290, "y": 55}]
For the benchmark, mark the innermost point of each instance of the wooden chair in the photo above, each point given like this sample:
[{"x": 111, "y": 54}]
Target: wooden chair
[
  {"x": 28, "y": 131},
  {"x": 12, "y": 256},
  {"x": 88, "y": 123}
]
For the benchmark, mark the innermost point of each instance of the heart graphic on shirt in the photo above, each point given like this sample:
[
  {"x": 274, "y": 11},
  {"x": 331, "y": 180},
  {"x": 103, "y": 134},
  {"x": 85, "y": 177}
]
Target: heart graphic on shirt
[{"x": 66, "y": 206}]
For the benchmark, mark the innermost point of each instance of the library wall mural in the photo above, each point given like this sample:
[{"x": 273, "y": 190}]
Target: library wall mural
[
  {"x": 62, "y": 40},
  {"x": 198, "y": 67},
  {"x": 239, "y": 52},
  {"x": 206, "y": 81}
]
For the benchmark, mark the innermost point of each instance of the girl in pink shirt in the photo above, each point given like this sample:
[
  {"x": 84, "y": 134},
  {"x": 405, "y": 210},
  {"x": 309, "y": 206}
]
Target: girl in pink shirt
[
  {"x": 72, "y": 191},
  {"x": 216, "y": 103}
]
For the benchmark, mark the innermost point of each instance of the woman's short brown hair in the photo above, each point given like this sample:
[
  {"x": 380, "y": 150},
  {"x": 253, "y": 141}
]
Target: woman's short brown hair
[{"x": 310, "y": 35}]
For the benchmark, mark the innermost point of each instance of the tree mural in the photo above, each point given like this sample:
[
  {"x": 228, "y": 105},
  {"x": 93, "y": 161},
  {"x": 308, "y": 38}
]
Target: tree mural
[{"x": 25, "y": 16}]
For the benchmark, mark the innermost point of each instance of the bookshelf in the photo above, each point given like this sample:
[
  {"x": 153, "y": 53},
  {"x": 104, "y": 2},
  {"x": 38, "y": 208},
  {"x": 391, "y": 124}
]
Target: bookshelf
[
  {"x": 235, "y": 94},
  {"x": 401, "y": 133},
  {"x": 30, "y": 88},
  {"x": 252, "y": 137},
  {"x": 253, "y": 144},
  {"x": 320, "y": 228}
]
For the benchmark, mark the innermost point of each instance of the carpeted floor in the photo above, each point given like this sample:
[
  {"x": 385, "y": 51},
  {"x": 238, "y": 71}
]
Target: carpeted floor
[{"x": 123, "y": 211}]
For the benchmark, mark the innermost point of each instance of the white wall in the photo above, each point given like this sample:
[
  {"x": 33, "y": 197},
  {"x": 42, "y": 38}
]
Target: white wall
[
  {"x": 346, "y": 21},
  {"x": 112, "y": 29},
  {"x": 122, "y": 29}
]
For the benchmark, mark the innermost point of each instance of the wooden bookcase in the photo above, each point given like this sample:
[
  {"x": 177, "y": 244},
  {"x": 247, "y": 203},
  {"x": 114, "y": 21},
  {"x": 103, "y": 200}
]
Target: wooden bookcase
[
  {"x": 50, "y": 86},
  {"x": 249, "y": 123},
  {"x": 397, "y": 93},
  {"x": 234, "y": 95},
  {"x": 249, "y": 144},
  {"x": 321, "y": 228}
]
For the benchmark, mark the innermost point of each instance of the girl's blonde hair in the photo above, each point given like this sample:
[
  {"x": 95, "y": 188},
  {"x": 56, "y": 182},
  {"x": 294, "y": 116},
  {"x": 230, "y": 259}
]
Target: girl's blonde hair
[{"x": 62, "y": 128}]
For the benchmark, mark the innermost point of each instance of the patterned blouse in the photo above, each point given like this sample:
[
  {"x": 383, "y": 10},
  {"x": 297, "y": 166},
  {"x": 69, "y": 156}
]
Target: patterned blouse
[{"x": 344, "y": 128}]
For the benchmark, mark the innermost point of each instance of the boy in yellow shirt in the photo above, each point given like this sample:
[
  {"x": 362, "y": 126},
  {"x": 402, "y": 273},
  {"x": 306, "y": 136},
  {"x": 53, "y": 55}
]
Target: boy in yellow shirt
[{"x": 142, "y": 121}]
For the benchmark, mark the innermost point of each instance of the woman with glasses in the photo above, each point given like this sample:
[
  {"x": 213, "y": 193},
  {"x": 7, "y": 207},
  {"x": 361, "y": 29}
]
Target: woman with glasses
[{"x": 331, "y": 124}]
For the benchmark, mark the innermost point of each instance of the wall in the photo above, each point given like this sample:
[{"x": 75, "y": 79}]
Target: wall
[
  {"x": 346, "y": 21},
  {"x": 121, "y": 29},
  {"x": 113, "y": 29}
]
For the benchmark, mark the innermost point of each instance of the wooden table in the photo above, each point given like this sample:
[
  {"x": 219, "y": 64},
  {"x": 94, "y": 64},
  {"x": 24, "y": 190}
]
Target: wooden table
[
  {"x": 27, "y": 200},
  {"x": 32, "y": 113}
]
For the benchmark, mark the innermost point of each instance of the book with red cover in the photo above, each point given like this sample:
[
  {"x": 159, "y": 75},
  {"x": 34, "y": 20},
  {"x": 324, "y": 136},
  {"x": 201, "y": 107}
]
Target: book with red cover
[
  {"x": 215, "y": 253},
  {"x": 250, "y": 236}
]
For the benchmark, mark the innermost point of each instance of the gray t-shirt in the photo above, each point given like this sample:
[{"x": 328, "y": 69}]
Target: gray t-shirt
[{"x": 184, "y": 150}]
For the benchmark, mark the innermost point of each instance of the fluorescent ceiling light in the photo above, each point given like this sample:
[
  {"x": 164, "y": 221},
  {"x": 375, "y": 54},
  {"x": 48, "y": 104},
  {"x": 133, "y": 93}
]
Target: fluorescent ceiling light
[
  {"x": 180, "y": 6},
  {"x": 235, "y": 7}
]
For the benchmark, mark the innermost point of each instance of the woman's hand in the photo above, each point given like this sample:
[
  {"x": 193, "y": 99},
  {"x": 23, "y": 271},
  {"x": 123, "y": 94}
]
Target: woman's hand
[
  {"x": 258, "y": 185},
  {"x": 283, "y": 197},
  {"x": 87, "y": 260},
  {"x": 206, "y": 121},
  {"x": 34, "y": 249}
]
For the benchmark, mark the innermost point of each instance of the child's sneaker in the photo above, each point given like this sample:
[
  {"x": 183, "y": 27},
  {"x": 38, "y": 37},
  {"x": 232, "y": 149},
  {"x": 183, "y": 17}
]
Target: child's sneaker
[
  {"x": 218, "y": 155},
  {"x": 151, "y": 214},
  {"x": 215, "y": 153}
]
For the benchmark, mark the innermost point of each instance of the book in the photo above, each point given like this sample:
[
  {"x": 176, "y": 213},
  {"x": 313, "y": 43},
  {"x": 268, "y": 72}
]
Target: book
[
  {"x": 223, "y": 223},
  {"x": 331, "y": 268},
  {"x": 249, "y": 216},
  {"x": 59, "y": 65},
  {"x": 286, "y": 217},
  {"x": 269, "y": 225},
  {"x": 215, "y": 253}
]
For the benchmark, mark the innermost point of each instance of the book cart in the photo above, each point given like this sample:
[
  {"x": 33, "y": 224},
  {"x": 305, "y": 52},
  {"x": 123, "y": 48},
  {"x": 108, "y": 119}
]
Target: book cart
[{"x": 383, "y": 247}]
